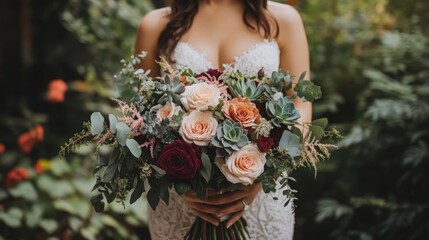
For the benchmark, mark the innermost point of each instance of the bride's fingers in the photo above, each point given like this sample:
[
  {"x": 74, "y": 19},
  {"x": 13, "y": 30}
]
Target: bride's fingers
[
  {"x": 233, "y": 207},
  {"x": 206, "y": 216},
  {"x": 226, "y": 198},
  {"x": 191, "y": 196},
  {"x": 211, "y": 209},
  {"x": 234, "y": 218}
]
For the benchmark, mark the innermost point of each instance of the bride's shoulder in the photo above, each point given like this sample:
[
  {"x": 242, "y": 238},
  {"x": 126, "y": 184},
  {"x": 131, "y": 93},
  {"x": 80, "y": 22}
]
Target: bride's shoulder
[
  {"x": 291, "y": 27},
  {"x": 285, "y": 14},
  {"x": 155, "y": 20}
]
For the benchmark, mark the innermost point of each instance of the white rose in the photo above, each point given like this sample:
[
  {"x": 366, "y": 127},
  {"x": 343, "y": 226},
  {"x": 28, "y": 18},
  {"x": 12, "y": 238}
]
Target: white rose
[
  {"x": 200, "y": 96},
  {"x": 198, "y": 128},
  {"x": 243, "y": 166},
  {"x": 167, "y": 111}
]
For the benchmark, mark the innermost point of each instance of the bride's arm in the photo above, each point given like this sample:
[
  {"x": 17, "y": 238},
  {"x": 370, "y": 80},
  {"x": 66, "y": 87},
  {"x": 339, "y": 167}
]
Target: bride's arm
[
  {"x": 294, "y": 53},
  {"x": 149, "y": 29}
]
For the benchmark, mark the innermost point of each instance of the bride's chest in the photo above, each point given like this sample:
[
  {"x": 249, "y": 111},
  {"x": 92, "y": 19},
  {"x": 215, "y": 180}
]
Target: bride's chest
[{"x": 249, "y": 58}]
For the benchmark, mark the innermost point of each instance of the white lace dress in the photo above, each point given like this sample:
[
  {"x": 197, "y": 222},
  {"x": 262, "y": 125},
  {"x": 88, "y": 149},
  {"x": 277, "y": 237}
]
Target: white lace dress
[{"x": 266, "y": 218}]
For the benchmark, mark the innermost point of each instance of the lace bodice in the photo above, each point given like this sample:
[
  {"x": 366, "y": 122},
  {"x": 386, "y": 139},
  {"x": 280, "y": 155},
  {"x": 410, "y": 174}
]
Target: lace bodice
[
  {"x": 265, "y": 54},
  {"x": 266, "y": 218}
]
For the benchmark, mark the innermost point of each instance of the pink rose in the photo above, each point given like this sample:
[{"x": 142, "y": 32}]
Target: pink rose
[
  {"x": 200, "y": 96},
  {"x": 198, "y": 127},
  {"x": 244, "y": 165}
]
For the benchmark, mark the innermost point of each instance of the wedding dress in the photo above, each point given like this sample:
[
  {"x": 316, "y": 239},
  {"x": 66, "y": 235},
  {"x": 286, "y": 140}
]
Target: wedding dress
[{"x": 266, "y": 218}]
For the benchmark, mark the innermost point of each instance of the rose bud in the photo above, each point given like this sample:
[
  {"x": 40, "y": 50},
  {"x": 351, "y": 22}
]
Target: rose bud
[{"x": 264, "y": 143}]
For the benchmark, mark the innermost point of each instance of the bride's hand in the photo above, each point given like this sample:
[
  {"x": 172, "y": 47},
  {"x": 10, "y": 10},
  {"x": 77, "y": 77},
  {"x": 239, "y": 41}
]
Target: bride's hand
[{"x": 219, "y": 205}]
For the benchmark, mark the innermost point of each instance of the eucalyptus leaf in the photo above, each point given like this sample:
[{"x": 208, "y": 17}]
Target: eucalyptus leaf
[
  {"x": 112, "y": 123},
  {"x": 134, "y": 147},
  {"x": 317, "y": 132},
  {"x": 308, "y": 91},
  {"x": 122, "y": 133},
  {"x": 321, "y": 122},
  {"x": 97, "y": 123},
  {"x": 291, "y": 142}
]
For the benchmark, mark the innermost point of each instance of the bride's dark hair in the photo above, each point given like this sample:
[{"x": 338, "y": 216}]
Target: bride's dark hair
[{"x": 184, "y": 11}]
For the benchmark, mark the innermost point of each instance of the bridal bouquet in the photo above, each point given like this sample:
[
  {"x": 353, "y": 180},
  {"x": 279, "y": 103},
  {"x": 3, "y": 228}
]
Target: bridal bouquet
[{"x": 199, "y": 131}]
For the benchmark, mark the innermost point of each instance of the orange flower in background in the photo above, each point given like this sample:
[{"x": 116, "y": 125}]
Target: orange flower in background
[
  {"x": 16, "y": 175},
  {"x": 242, "y": 110},
  {"x": 2, "y": 148},
  {"x": 37, "y": 132},
  {"x": 56, "y": 91},
  {"x": 42, "y": 165},
  {"x": 27, "y": 140}
]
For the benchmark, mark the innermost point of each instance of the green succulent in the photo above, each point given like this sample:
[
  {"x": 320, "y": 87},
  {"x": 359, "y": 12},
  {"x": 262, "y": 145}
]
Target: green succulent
[
  {"x": 278, "y": 82},
  {"x": 169, "y": 89},
  {"x": 230, "y": 135},
  {"x": 282, "y": 111},
  {"x": 240, "y": 85}
]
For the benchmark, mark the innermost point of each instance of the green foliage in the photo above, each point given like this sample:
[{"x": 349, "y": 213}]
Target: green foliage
[
  {"x": 391, "y": 137},
  {"x": 291, "y": 143},
  {"x": 240, "y": 85},
  {"x": 53, "y": 203}
]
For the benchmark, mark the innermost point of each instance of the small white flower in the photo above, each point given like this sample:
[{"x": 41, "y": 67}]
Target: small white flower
[{"x": 139, "y": 71}]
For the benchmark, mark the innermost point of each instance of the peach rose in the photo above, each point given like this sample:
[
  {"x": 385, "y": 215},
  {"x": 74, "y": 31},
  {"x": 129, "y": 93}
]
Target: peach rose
[
  {"x": 167, "y": 111},
  {"x": 243, "y": 166},
  {"x": 198, "y": 128},
  {"x": 200, "y": 96},
  {"x": 242, "y": 110}
]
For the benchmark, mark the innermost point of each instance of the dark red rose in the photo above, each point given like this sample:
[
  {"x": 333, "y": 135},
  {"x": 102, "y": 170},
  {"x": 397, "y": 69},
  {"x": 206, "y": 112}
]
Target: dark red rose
[
  {"x": 276, "y": 134},
  {"x": 262, "y": 110},
  {"x": 180, "y": 160},
  {"x": 265, "y": 143},
  {"x": 210, "y": 73}
]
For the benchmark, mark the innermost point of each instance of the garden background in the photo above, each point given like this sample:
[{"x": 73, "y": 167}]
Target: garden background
[{"x": 57, "y": 60}]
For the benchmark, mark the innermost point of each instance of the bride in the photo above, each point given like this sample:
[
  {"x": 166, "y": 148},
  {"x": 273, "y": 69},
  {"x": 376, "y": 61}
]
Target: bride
[{"x": 244, "y": 35}]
